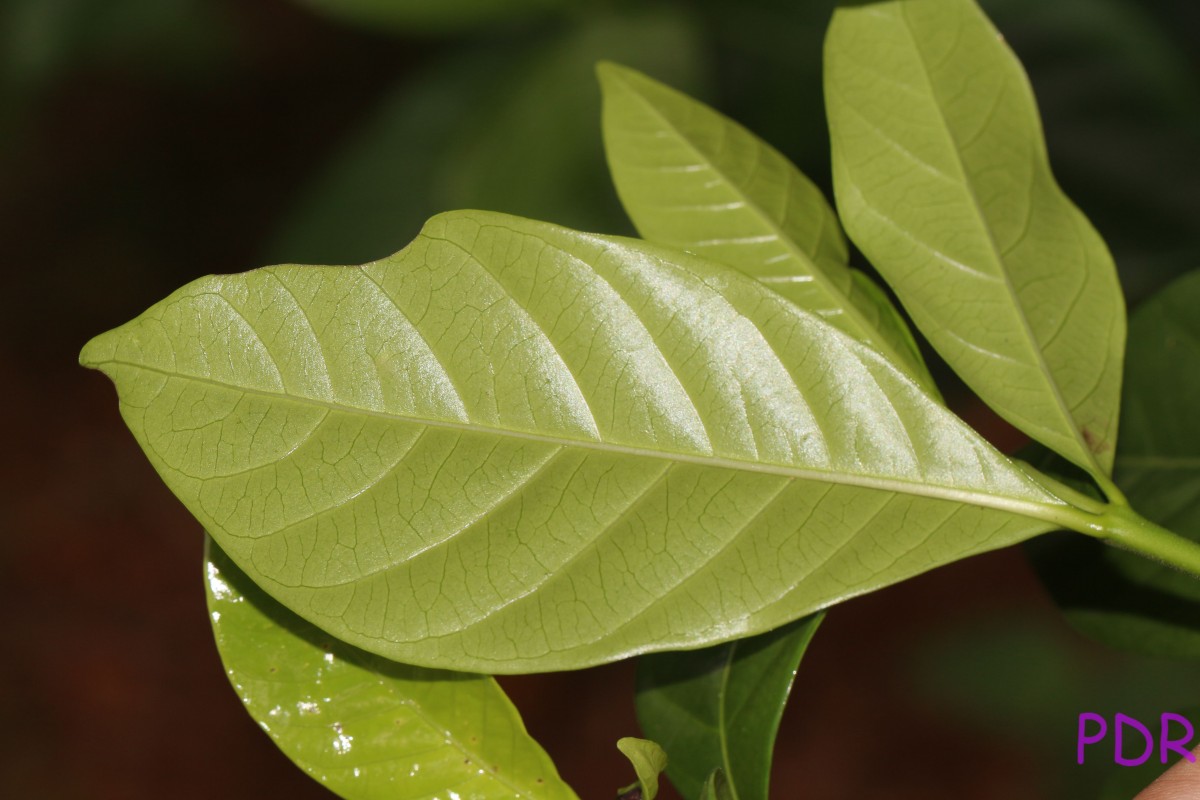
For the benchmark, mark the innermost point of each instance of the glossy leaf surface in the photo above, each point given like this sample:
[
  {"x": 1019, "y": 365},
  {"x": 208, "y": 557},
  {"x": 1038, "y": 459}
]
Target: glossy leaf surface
[
  {"x": 721, "y": 707},
  {"x": 942, "y": 180},
  {"x": 365, "y": 727},
  {"x": 648, "y": 760},
  {"x": 516, "y": 447},
  {"x": 1112, "y": 595},
  {"x": 694, "y": 179}
]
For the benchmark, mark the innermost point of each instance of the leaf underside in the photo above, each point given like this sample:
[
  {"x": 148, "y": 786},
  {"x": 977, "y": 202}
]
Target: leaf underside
[
  {"x": 721, "y": 707},
  {"x": 942, "y": 180},
  {"x": 691, "y": 178},
  {"x": 365, "y": 727},
  {"x": 514, "y": 447}
]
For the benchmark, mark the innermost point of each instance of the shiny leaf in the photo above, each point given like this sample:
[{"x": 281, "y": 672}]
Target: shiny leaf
[
  {"x": 516, "y": 447},
  {"x": 694, "y": 179},
  {"x": 1112, "y": 595},
  {"x": 365, "y": 727},
  {"x": 722, "y": 706},
  {"x": 942, "y": 180},
  {"x": 649, "y": 760}
]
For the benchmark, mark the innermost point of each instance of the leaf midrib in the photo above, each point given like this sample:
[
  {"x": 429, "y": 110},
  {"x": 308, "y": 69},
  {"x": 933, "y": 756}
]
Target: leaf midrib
[
  {"x": 873, "y": 337},
  {"x": 1029, "y": 338},
  {"x": 1061, "y": 514}
]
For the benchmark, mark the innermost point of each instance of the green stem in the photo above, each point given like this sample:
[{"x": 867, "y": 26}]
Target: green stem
[
  {"x": 1114, "y": 495},
  {"x": 1123, "y": 527}
]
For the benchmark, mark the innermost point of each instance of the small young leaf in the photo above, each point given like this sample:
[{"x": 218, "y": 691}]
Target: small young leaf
[
  {"x": 516, "y": 447},
  {"x": 364, "y": 727},
  {"x": 716, "y": 787},
  {"x": 649, "y": 760},
  {"x": 1112, "y": 595},
  {"x": 942, "y": 179},
  {"x": 722, "y": 705},
  {"x": 694, "y": 179}
]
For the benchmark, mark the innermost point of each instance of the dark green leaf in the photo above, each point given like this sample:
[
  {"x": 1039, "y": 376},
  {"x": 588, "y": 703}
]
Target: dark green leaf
[
  {"x": 408, "y": 16},
  {"x": 364, "y": 727},
  {"x": 534, "y": 148},
  {"x": 1110, "y": 594},
  {"x": 508, "y": 127},
  {"x": 722, "y": 706}
]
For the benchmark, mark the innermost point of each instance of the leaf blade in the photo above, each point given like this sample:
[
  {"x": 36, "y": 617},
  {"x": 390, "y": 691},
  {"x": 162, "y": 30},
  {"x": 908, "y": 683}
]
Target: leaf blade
[
  {"x": 942, "y": 179},
  {"x": 691, "y": 178},
  {"x": 648, "y": 760},
  {"x": 722, "y": 706},
  {"x": 515, "y": 450},
  {"x": 364, "y": 727}
]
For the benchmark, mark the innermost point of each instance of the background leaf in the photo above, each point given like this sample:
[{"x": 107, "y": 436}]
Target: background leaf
[
  {"x": 942, "y": 180},
  {"x": 433, "y": 15},
  {"x": 365, "y": 727},
  {"x": 1112, "y": 595},
  {"x": 694, "y": 179},
  {"x": 720, "y": 707},
  {"x": 516, "y": 447},
  {"x": 648, "y": 759},
  {"x": 510, "y": 126}
]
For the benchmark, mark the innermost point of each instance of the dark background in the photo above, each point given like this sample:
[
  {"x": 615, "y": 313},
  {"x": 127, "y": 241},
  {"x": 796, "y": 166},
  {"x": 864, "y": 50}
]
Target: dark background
[{"x": 144, "y": 143}]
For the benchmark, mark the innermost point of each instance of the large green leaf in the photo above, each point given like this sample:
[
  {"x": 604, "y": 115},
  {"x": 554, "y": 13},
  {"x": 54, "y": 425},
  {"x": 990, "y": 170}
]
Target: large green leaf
[
  {"x": 720, "y": 707},
  {"x": 942, "y": 179},
  {"x": 694, "y": 179},
  {"x": 1110, "y": 594},
  {"x": 516, "y": 447},
  {"x": 365, "y": 727}
]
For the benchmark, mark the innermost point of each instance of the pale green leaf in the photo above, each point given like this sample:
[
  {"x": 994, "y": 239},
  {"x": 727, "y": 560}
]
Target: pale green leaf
[
  {"x": 648, "y": 759},
  {"x": 516, "y": 447},
  {"x": 942, "y": 180},
  {"x": 722, "y": 706},
  {"x": 694, "y": 179},
  {"x": 365, "y": 727}
]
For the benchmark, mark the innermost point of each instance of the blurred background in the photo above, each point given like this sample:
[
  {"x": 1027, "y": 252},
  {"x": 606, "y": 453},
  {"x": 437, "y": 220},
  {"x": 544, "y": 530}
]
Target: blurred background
[{"x": 144, "y": 143}]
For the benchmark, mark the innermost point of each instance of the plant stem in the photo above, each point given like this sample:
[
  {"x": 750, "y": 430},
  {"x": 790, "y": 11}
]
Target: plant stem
[{"x": 1123, "y": 527}]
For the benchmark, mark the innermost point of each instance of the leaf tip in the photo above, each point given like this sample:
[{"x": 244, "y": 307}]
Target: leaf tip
[
  {"x": 99, "y": 350},
  {"x": 613, "y": 75}
]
